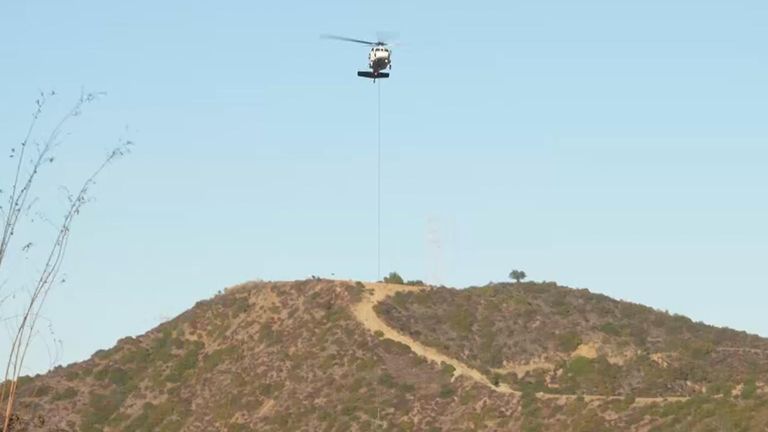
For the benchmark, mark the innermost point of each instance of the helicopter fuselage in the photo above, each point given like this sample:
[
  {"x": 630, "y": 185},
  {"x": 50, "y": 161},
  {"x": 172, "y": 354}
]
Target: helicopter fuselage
[{"x": 379, "y": 58}]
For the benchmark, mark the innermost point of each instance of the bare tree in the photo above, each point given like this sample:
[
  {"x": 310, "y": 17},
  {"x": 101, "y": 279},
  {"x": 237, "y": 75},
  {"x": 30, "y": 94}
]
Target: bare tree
[{"x": 31, "y": 157}]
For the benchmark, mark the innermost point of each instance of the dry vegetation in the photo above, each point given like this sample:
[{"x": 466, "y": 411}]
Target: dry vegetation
[
  {"x": 292, "y": 357},
  {"x": 551, "y": 339},
  {"x": 267, "y": 357}
]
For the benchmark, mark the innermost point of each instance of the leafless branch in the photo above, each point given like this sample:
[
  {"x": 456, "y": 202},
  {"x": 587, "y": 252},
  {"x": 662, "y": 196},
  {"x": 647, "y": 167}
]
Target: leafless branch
[{"x": 17, "y": 201}]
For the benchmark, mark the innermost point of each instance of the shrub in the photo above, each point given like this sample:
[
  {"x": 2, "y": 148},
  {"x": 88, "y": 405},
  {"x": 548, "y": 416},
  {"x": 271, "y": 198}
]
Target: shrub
[
  {"x": 629, "y": 400},
  {"x": 42, "y": 390},
  {"x": 186, "y": 363},
  {"x": 267, "y": 335},
  {"x": 218, "y": 356},
  {"x": 579, "y": 366},
  {"x": 387, "y": 380},
  {"x": 496, "y": 379},
  {"x": 394, "y": 347},
  {"x": 568, "y": 341},
  {"x": 101, "y": 407},
  {"x": 356, "y": 292},
  {"x": 610, "y": 329},
  {"x": 394, "y": 278},
  {"x": 238, "y": 427},
  {"x": 461, "y": 320},
  {"x": 66, "y": 394},
  {"x": 446, "y": 391},
  {"x": 749, "y": 390},
  {"x": 101, "y": 374},
  {"x": 118, "y": 376},
  {"x": 447, "y": 369}
]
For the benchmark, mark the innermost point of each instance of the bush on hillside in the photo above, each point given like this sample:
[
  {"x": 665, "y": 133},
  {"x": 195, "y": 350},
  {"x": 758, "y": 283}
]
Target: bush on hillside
[{"x": 394, "y": 278}]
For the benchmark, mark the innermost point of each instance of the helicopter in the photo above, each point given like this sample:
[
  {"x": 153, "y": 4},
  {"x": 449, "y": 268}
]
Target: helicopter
[{"x": 379, "y": 59}]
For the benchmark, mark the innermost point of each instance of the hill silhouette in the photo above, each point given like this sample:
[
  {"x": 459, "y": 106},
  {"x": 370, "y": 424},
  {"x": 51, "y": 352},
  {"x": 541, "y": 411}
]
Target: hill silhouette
[{"x": 321, "y": 355}]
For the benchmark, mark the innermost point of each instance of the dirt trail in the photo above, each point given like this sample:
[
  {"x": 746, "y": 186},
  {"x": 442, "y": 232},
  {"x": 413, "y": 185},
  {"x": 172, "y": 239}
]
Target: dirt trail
[
  {"x": 367, "y": 316},
  {"x": 365, "y": 313}
]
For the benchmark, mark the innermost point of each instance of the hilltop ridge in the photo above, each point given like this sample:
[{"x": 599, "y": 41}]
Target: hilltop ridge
[{"x": 323, "y": 355}]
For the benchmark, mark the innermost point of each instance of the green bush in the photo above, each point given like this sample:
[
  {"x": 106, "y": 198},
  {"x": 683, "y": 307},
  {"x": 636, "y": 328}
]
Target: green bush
[
  {"x": 446, "y": 391},
  {"x": 394, "y": 278},
  {"x": 749, "y": 390},
  {"x": 496, "y": 379},
  {"x": 447, "y": 369},
  {"x": 387, "y": 380},
  {"x": 579, "y": 366},
  {"x": 101, "y": 407},
  {"x": 610, "y": 329},
  {"x": 461, "y": 320},
  {"x": 118, "y": 376},
  {"x": 568, "y": 341},
  {"x": 218, "y": 356},
  {"x": 66, "y": 394}
]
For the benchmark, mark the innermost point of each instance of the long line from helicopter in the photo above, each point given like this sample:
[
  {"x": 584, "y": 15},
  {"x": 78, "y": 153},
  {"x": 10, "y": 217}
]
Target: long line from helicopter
[{"x": 379, "y": 58}]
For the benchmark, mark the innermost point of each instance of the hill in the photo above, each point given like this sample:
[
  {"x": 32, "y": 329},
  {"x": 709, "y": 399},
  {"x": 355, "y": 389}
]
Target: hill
[{"x": 323, "y": 355}]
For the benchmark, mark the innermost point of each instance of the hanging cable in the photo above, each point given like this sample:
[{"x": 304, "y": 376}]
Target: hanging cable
[
  {"x": 378, "y": 222},
  {"x": 378, "y": 186}
]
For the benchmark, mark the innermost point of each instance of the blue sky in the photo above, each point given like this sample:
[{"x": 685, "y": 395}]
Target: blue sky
[{"x": 619, "y": 146}]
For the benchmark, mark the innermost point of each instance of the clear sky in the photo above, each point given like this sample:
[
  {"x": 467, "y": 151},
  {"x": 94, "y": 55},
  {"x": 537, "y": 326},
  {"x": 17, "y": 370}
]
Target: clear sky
[{"x": 620, "y": 146}]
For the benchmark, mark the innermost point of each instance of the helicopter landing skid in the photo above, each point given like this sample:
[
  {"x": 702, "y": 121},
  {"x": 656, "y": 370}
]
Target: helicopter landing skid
[{"x": 371, "y": 75}]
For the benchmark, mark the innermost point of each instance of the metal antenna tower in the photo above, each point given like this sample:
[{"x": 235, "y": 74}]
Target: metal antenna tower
[{"x": 434, "y": 251}]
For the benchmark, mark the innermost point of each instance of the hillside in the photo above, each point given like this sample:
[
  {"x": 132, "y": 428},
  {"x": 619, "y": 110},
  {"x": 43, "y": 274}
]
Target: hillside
[
  {"x": 561, "y": 340},
  {"x": 322, "y": 355}
]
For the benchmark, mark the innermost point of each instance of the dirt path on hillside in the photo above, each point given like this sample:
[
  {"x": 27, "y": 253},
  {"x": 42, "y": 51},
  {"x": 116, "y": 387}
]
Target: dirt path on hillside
[
  {"x": 367, "y": 316},
  {"x": 365, "y": 313}
]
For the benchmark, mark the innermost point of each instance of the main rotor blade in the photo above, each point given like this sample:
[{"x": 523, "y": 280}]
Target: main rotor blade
[
  {"x": 385, "y": 37},
  {"x": 342, "y": 38}
]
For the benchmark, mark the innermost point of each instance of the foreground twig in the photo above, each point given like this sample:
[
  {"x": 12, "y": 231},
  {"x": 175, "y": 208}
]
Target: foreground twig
[{"x": 20, "y": 190}]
